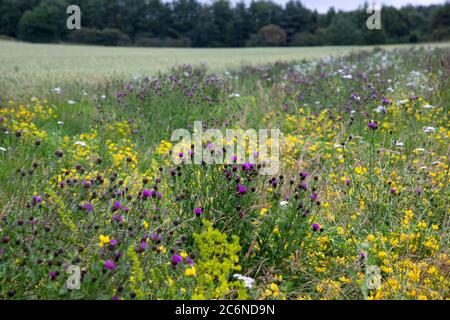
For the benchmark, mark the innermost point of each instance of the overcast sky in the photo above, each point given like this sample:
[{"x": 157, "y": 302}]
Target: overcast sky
[{"x": 323, "y": 5}]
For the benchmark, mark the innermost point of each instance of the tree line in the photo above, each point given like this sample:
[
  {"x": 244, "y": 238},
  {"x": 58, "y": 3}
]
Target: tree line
[{"x": 189, "y": 23}]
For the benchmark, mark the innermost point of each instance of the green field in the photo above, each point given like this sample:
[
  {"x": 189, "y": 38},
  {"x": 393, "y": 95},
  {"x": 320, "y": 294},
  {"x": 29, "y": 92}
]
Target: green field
[{"x": 29, "y": 67}]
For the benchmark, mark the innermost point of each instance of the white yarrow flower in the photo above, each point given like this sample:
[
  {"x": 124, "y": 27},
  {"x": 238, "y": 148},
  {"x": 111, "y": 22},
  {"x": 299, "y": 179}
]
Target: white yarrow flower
[
  {"x": 80, "y": 143},
  {"x": 248, "y": 282},
  {"x": 381, "y": 109},
  {"x": 57, "y": 90},
  {"x": 429, "y": 129}
]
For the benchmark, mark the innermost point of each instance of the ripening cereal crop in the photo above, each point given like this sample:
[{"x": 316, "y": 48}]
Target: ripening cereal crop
[{"x": 93, "y": 205}]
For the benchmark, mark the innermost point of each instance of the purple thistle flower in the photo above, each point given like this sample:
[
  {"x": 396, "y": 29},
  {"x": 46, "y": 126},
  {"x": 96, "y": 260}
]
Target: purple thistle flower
[
  {"x": 372, "y": 125},
  {"x": 113, "y": 242},
  {"x": 386, "y": 101},
  {"x": 198, "y": 211},
  {"x": 52, "y": 275},
  {"x": 36, "y": 200},
  {"x": 87, "y": 184},
  {"x": 313, "y": 197},
  {"x": 189, "y": 261},
  {"x": 143, "y": 245},
  {"x": 241, "y": 189},
  {"x": 315, "y": 227},
  {"x": 118, "y": 256},
  {"x": 117, "y": 205},
  {"x": 156, "y": 237},
  {"x": 109, "y": 265},
  {"x": 176, "y": 259},
  {"x": 118, "y": 218},
  {"x": 146, "y": 193},
  {"x": 88, "y": 207}
]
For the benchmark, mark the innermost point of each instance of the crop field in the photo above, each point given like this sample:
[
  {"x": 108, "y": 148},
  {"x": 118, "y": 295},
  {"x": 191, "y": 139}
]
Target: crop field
[
  {"x": 27, "y": 68},
  {"x": 98, "y": 201}
]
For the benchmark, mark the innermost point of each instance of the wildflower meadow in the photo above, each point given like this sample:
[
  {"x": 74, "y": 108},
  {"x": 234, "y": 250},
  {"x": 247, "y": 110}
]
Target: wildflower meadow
[{"x": 98, "y": 201}]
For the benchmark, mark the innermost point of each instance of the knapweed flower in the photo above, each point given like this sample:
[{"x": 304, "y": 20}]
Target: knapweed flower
[
  {"x": 88, "y": 207},
  {"x": 156, "y": 237},
  {"x": 117, "y": 205},
  {"x": 198, "y": 211},
  {"x": 189, "y": 261},
  {"x": 313, "y": 197},
  {"x": 146, "y": 194},
  {"x": 109, "y": 265},
  {"x": 241, "y": 189},
  {"x": 176, "y": 259},
  {"x": 36, "y": 200},
  {"x": 386, "y": 101},
  {"x": 52, "y": 275},
  {"x": 118, "y": 218},
  {"x": 315, "y": 227},
  {"x": 113, "y": 242},
  {"x": 372, "y": 125}
]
